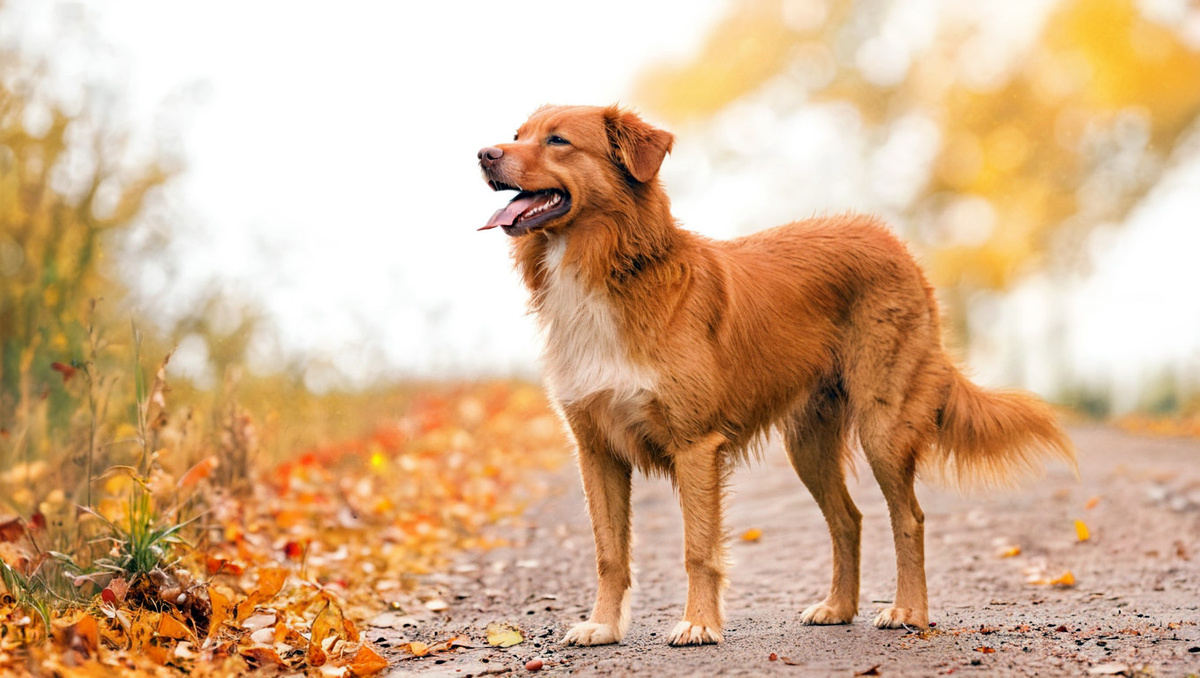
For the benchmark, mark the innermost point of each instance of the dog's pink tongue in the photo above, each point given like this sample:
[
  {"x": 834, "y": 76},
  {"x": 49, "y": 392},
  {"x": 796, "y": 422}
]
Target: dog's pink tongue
[{"x": 507, "y": 216}]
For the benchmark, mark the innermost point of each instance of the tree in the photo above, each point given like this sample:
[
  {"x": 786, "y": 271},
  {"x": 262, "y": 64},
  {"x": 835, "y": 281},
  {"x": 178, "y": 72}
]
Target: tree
[{"x": 1035, "y": 146}]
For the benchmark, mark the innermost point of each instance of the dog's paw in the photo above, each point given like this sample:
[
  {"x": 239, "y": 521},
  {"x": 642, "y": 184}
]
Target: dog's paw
[
  {"x": 591, "y": 633},
  {"x": 824, "y": 613},
  {"x": 899, "y": 617},
  {"x": 687, "y": 633}
]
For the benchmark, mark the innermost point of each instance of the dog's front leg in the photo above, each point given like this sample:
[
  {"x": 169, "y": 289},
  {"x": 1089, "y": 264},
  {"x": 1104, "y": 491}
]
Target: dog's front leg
[
  {"x": 606, "y": 482},
  {"x": 700, "y": 478}
]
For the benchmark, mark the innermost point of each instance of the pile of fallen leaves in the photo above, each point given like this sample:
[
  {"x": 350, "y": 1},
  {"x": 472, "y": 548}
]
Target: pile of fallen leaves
[{"x": 281, "y": 576}]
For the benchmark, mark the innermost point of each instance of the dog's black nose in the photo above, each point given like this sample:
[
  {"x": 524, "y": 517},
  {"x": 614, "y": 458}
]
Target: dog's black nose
[{"x": 488, "y": 156}]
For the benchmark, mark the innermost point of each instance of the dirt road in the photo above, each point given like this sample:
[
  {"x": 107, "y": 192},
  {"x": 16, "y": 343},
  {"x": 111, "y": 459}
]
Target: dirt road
[{"x": 1133, "y": 609}]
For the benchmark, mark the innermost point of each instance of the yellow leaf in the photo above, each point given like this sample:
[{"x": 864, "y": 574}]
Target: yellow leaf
[
  {"x": 1010, "y": 551},
  {"x": 753, "y": 534},
  {"x": 503, "y": 635},
  {"x": 1081, "y": 530},
  {"x": 1065, "y": 580},
  {"x": 418, "y": 649},
  {"x": 327, "y": 623}
]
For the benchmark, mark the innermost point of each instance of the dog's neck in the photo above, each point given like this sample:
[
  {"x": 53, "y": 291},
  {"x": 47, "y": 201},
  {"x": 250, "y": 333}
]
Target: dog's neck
[{"x": 617, "y": 249}]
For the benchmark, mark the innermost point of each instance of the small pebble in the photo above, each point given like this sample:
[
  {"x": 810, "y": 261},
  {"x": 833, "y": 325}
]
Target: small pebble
[{"x": 534, "y": 665}]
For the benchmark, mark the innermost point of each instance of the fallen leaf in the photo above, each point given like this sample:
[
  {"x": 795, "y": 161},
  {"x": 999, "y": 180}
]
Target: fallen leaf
[
  {"x": 219, "y": 565},
  {"x": 417, "y": 648},
  {"x": 753, "y": 534},
  {"x": 84, "y": 634},
  {"x": 503, "y": 635},
  {"x": 1081, "y": 530},
  {"x": 270, "y": 582},
  {"x": 985, "y": 649},
  {"x": 873, "y": 671},
  {"x": 789, "y": 661},
  {"x": 1092, "y": 503},
  {"x": 1065, "y": 580},
  {"x": 366, "y": 662},
  {"x": 1009, "y": 552},
  {"x": 220, "y": 610},
  {"x": 327, "y": 622},
  {"x": 171, "y": 627},
  {"x": 201, "y": 470},
  {"x": 11, "y": 529},
  {"x": 262, "y": 656}
]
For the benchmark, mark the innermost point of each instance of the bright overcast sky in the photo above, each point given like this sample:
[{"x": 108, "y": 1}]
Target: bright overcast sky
[{"x": 330, "y": 150}]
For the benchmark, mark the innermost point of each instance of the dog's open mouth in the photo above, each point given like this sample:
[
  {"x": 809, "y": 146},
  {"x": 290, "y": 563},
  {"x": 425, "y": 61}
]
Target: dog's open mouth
[{"x": 529, "y": 210}]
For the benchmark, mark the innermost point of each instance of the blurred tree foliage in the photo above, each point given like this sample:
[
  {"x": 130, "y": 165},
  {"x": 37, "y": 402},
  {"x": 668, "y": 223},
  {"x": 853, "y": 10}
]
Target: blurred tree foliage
[
  {"x": 1066, "y": 134},
  {"x": 66, "y": 188}
]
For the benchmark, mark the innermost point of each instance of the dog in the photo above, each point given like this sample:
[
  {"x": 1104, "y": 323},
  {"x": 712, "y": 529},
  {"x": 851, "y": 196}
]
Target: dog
[{"x": 670, "y": 353}]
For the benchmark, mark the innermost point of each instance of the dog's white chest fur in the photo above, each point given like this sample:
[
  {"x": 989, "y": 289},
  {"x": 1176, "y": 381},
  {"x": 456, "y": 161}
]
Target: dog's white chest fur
[{"x": 584, "y": 353}]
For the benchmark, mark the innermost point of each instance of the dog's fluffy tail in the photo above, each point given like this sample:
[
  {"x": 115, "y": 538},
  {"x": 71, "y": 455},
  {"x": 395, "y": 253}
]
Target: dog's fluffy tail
[{"x": 989, "y": 439}]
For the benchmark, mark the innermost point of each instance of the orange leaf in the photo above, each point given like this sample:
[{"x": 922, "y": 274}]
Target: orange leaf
[
  {"x": 366, "y": 662},
  {"x": 220, "y": 610},
  {"x": 171, "y": 627},
  {"x": 222, "y": 565},
  {"x": 85, "y": 633},
  {"x": 157, "y": 653},
  {"x": 753, "y": 534},
  {"x": 270, "y": 582},
  {"x": 201, "y": 470},
  {"x": 1081, "y": 530},
  {"x": 985, "y": 649},
  {"x": 1092, "y": 503},
  {"x": 262, "y": 656},
  {"x": 1066, "y": 579},
  {"x": 1010, "y": 551}
]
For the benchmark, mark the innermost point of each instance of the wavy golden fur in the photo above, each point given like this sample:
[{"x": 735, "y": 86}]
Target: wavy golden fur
[{"x": 672, "y": 353}]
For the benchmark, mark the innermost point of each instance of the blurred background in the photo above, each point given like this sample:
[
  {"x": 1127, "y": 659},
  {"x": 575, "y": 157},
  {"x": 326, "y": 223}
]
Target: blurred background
[{"x": 288, "y": 191}]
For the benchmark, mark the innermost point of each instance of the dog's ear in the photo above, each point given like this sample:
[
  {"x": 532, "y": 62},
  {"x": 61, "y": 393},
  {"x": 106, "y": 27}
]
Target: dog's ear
[{"x": 637, "y": 146}]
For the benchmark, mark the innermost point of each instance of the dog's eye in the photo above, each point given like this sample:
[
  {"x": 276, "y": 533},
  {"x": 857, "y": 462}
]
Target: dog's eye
[
  {"x": 516, "y": 135},
  {"x": 556, "y": 140}
]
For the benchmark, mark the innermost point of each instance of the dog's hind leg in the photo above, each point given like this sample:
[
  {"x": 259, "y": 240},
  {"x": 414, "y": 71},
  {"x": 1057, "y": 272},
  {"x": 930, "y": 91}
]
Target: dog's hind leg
[
  {"x": 894, "y": 434},
  {"x": 607, "y": 480},
  {"x": 699, "y": 476},
  {"x": 816, "y": 441}
]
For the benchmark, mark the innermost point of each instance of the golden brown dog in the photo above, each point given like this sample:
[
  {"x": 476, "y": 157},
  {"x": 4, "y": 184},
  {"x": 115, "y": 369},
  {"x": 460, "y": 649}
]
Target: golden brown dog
[{"x": 671, "y": 353}]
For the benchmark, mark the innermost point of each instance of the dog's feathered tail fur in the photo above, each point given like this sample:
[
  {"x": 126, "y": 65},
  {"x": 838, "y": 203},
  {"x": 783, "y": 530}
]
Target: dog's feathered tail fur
[{"x": 993, "y": 438}]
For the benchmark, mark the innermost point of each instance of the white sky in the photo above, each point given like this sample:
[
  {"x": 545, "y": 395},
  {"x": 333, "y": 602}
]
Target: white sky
[
  {"x": 331, "y": 171},
  {"x": 330, "y": 151}
]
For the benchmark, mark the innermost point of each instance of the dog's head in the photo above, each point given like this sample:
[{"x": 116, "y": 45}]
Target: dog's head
[{"x": 568, "y": 161}]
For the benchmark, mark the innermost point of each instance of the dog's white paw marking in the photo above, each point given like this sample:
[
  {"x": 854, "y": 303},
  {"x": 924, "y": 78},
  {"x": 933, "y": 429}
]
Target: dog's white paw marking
[
  {"x": 824, "y": 613},
  {"x": 591, "y": 633},
  {"x": 687, "y": 633},
  {"x": 899, "y": 617}
]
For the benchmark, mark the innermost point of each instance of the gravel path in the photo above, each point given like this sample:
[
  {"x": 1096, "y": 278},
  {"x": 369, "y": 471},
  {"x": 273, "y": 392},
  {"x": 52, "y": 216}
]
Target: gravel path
[{"x": 1133, "y": 610}]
